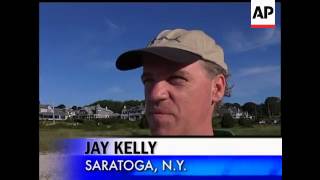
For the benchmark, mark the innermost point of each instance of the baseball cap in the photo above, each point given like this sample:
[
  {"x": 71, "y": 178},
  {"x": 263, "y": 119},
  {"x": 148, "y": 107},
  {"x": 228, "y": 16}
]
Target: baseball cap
[{"x": 178, "y": 45}]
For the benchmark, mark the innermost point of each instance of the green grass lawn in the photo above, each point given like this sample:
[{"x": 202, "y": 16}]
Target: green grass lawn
[
  {"x": 49, "y": 135},
  {"x": 257, "y": 130}
]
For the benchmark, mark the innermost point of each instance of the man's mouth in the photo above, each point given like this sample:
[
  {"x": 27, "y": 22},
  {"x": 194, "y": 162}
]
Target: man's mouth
[{"x": 158, "y": 112}]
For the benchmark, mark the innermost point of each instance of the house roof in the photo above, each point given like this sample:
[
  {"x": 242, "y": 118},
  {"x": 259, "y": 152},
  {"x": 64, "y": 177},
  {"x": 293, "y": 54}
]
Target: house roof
[
  {"x": 56, "y": 112},
  {"x": 44, "y": 105}
]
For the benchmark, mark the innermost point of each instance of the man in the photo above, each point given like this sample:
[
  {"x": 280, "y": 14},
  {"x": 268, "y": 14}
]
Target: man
[{"x": 184, "y": 77}]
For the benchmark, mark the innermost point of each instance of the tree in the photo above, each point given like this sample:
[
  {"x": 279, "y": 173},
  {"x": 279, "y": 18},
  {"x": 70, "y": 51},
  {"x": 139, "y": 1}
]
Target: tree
[
  {"x": 246, "y": 122},
  {"x": 273, "y": 106},
  {"x": 227, "y": 105},
  {"x": 133, "y": 103},
  {"x": 237, "y": 105},
  {"x": 227, "y": 121},
  {"x": 115, "y": 106},
  {"x": 218, "y": 110},
  {"x": 261, "y": 111},
  {"x": 61, "y": 106},
  {"x": 250, "y": 107},
  {"x": 74, "y": 108}
]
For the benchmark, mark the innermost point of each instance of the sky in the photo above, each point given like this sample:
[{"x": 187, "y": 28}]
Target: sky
[{"x": 80, "y": 42}]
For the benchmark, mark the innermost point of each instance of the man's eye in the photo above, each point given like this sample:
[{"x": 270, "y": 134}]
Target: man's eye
[{"x": 177, "y": 79}]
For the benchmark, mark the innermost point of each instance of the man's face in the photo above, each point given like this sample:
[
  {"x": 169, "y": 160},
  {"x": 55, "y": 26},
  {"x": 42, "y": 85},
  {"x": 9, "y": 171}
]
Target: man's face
[{"x": 178, "y": 97}]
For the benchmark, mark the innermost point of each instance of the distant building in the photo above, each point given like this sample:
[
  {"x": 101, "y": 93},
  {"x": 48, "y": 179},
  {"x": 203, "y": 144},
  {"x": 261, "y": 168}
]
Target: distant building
[
  {"x": 262, "y": 122},
  {"x": 94, "y": 112},
  {"x": 124, "y": 113},
  {"x": 116, "y": 115},
  {"x": 48, "y": 112},
  {"x": 235, "y": 112},
  {"x": 70, "y": 113},
  {"x": 133, "y": 113}
]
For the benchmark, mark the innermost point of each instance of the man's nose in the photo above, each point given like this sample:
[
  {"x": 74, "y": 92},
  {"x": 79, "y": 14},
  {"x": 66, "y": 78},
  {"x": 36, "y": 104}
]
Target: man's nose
[{"x": 158, "y": 91}]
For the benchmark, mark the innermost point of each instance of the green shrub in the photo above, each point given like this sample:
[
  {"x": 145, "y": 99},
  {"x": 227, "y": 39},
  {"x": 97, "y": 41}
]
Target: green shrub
[
  {"x": 69, "y": 120},
  {"x": 246, "y": 122},
  {"x": 223, "y": 133},
  {"x": 79, "y": 120},
  {"x": 143, "y": 124},
  {"x": 227, "y": 121},
  {"x": 216, "y": 122}
]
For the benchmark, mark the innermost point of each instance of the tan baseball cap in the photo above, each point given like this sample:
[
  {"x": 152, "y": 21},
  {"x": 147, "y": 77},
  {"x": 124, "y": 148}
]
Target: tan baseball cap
[{"x": 179, "y": 45}]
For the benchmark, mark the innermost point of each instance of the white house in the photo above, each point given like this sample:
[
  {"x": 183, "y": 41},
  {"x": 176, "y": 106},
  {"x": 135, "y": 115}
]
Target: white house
[
  {"x": 236, "y": 112},
  {"x": 70, "y": 113},
  {"x": 133, "y": 113},
  {"x": 48, "y": 112},
  {"x": 94, "y": 112}
]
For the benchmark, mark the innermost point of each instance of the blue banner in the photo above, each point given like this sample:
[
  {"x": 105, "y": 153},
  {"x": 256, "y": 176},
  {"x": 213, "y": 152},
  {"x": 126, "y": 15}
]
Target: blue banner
[
  {"x": 126, "y": 167},
  {"x": 129, "y": 159}
]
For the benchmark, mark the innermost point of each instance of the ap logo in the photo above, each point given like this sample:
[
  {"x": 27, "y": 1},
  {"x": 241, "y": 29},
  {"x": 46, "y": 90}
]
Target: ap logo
[{"x": 263, "y": 14}]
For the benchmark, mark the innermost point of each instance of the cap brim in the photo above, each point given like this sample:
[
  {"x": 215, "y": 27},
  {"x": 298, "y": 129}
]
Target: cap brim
[{"x": 133, "y": 59}]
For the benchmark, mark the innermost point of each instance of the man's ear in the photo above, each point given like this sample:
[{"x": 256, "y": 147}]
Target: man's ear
[{"x": 218, "y": 87}]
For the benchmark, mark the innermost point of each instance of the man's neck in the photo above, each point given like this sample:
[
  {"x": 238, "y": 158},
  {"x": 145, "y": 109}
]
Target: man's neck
[{"x": 201, "y": 131}]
